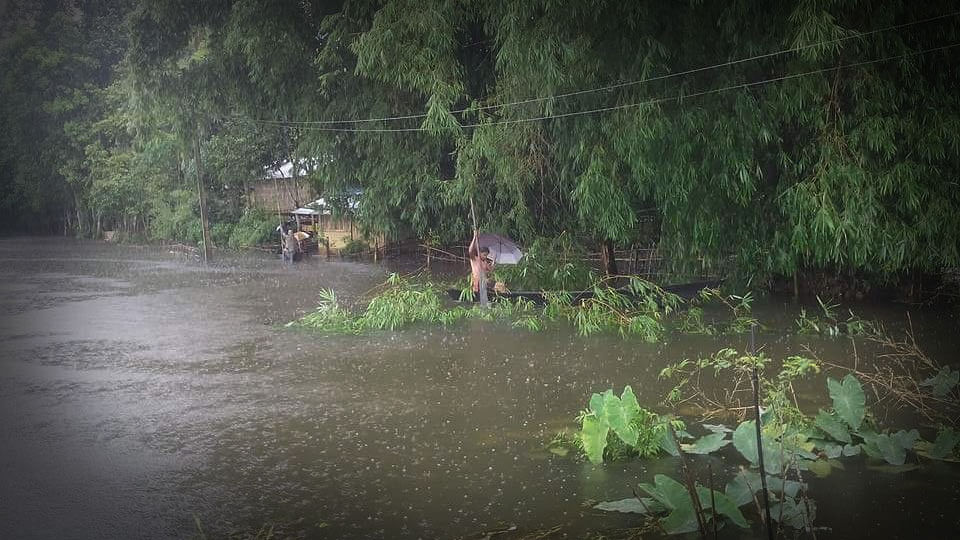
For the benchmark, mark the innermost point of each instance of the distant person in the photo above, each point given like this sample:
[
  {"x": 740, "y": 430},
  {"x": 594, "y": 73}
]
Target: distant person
[
  {"x": 481, "y": 265},
  {"x": 290, "y": 246}
]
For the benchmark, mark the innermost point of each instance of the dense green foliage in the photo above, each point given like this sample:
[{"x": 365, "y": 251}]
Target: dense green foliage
[
  {"x": 845, "y": 160},
  {"x": 637, "y": 310},
  {"x": 793, "y": 445},
  {"x": 616, "y": 428},
  {"x": 548, "y": 264}
]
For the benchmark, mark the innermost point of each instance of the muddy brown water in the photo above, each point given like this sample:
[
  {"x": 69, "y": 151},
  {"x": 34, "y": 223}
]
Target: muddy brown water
[{"x": 142, "y": 393}]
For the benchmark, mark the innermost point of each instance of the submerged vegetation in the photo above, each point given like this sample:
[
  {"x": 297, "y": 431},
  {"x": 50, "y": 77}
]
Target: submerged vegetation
[
  {"x": 795, "y": 443},
  {"x": 635, "y": 310}
]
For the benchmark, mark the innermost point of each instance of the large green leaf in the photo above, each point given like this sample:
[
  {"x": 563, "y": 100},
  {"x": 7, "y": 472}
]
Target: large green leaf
[
  {"x": 848, "y": 400},
  {"x": 832, "y": 450},
  {"x": 851, "y": 450},
  {"x": 906, "y": 439},
  {"x": 620, "y": 413},
  {"x": 668, "y": 491},
  {"x": 944, "y": 444},
  {"x": 680, "y": 520},
  {"x": 596, "y": 403},
  {"x": 745, "y": 440},
  {"x": 724, "y": 505},
  {"x": 669, "y": 444},
  {"x": 790, "y": 488},
  {"x": 628, "y": 400},
  {"x": 632, "y": 505},
  {"x": 706, "y": 444},
  {"x": 593, "y": 435},
  {"x": 943, "y": 382},
  {"x": 674, "y": 496},
  {"x": 885, "y": 446},
  {"x": 794, "y": 514},
  {"x": 832, "y": 426},
  {"x": 743, "y": 486}
]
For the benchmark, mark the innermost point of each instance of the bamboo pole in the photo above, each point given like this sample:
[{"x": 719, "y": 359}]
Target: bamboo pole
[
  {"x": 756, "y": 411},
  {"x": 276, "y": 198},
  {"x": 201, "y": 193}
]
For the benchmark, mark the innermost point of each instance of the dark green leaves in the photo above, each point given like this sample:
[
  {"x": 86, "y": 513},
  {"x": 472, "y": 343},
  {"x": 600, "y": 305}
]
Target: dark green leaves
[
  {"x": 745, "y": 441},
  {"x": 706, "y": 444},
  {"x": 944, "y": 444},
  {"x": 943, "y": 382},
  {"x": 832, "y": 426},
  {"x": 848, "y": 400}
]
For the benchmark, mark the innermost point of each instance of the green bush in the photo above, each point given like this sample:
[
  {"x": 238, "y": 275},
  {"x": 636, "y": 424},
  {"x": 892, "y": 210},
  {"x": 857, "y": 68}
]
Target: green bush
[
  {"x": 174, "y": 219},
  {"x": 354, "y": 246},
  {"x": 254, "y": 228},
  {"x": 220, "y": 233}
]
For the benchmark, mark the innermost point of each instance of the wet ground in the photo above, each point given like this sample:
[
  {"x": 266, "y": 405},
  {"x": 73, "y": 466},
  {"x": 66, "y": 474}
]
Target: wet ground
[{"x": 145, "y": 396}]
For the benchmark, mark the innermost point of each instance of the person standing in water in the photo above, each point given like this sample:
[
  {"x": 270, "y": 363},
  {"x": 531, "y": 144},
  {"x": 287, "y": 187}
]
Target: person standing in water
[
  {"x": 290, "y": 246},
  {"x": 480, "y": 266}
]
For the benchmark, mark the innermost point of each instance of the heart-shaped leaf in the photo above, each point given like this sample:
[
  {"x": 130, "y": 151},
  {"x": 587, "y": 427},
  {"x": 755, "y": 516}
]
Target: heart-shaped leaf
[
  {"x": 593, "y": 435},
  {"x": 706, "y": 444},
  {"x": 724, "y": 506},
  {"x": 944, "y": 444},
  {"x": 832, "y": 426},
  {"x": 745, "y": 440},
  {"x": 943, "y": 382},
  {"x": 848, "y": 400}
]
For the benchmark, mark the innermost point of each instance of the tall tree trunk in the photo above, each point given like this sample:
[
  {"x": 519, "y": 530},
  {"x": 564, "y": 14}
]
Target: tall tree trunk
[
  {"x": 202, "y": 194},
  {"x": 76, "y": 206},
  {"x": 608, "y": 258}
]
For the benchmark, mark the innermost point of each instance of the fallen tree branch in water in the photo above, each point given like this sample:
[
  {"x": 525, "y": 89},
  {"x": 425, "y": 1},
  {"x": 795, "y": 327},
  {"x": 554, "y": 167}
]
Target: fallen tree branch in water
[{"x": 896, "y": 377}]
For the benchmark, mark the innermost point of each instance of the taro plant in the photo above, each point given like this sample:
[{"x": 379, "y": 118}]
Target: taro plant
[
  {"x": 791, "y": 444},
  {"x": 619, "y": 427}
]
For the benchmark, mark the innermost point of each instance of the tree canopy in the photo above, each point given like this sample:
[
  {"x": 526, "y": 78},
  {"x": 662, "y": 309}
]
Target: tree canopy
[{"x": 783, "y": 135}]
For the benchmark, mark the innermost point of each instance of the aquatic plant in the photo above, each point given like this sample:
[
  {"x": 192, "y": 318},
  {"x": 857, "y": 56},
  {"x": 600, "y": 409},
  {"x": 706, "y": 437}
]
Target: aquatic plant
[
  {"x": 328, "y": 316},
  {"x": 636, "y": 310},
  {"x": 739, "y": 307},
  {"x": 618, "y": 427},
  {"x": 404, "y": 302},
  {"x": 829, "y": 324}
]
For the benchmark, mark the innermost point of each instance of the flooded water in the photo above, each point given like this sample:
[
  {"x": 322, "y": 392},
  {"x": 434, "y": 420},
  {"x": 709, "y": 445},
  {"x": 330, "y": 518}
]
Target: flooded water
[{"x": 145, "y": 396}]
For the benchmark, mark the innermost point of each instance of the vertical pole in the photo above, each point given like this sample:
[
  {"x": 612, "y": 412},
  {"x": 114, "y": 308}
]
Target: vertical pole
[
  {"x": 756, "y": 411},
  {"x": 276, "y": 197},
  {"x": 483, "y": 289},
  {"x": 201, "y": 193}
]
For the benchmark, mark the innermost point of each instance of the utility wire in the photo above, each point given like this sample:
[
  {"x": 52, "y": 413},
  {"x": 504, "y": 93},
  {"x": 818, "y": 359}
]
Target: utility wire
[
  {"x": 626, "y": 105},
  {"x": 617, "y": 85}
]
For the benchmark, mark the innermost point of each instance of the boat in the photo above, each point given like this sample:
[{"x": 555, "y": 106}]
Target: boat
[{"x": 685, "y": 291}]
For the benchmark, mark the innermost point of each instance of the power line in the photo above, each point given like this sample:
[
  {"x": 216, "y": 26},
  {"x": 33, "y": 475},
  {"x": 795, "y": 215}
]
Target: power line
[
  {"x": 630, "y": 105},
  {"x": 616, "y": 85}
]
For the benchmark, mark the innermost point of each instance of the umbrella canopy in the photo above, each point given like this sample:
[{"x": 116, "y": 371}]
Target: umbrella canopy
[{"x": 502, "y": 249}]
